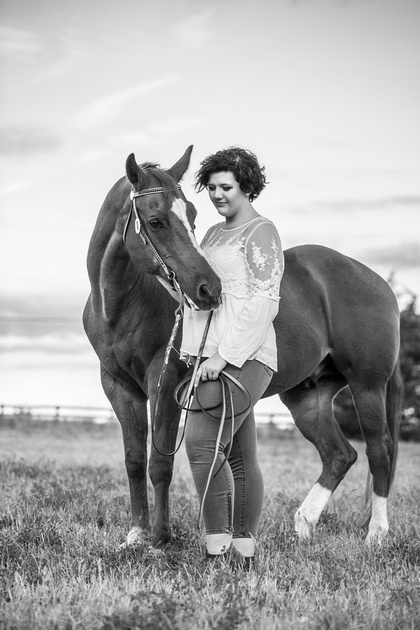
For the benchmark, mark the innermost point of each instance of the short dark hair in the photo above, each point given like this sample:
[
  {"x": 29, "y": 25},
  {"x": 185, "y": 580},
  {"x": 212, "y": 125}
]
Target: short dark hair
[{"x": 241, "y": 162}]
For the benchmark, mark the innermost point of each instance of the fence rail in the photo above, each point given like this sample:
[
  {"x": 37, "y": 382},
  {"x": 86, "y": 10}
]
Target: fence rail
[
  {"x": 102, "y": 415},
  {"x": 58, "y": 413}
]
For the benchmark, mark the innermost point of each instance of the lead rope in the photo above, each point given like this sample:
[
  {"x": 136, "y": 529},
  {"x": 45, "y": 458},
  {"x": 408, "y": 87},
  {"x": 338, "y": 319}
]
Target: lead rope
[
  {"x": 178, "y": 316},
  {"x": 226, "y": 380},
  {"x": 183, "y": 394}
]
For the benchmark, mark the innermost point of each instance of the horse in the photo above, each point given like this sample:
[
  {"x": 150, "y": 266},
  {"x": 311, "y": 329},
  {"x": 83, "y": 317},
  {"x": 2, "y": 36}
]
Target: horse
[{"x": 337, "y": 326}]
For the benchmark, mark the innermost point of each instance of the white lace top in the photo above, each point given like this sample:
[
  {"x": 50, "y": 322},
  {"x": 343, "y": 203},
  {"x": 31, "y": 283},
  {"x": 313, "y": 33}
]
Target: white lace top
[{"x": 249, "y": 262}]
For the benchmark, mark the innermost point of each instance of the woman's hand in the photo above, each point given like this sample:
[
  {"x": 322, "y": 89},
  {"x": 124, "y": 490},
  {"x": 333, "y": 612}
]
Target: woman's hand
[{"x": 210, "y": 369}]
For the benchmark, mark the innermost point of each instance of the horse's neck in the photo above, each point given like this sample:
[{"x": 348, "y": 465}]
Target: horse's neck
[{"x": 116, "y": 279}]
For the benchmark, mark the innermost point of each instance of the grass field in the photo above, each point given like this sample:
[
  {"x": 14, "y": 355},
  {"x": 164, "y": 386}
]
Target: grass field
[{"x": 64, "y": 510}]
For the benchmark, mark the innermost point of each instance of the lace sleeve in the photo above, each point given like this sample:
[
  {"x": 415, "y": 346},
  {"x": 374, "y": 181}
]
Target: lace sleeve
[{"x": 264, "y": 256}]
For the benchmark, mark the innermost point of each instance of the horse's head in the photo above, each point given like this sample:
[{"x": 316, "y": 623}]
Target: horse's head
[{"x": 161, "y": 222}]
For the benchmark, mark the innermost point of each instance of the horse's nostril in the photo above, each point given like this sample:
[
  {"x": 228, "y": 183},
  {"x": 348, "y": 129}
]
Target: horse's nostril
[{"x": 205, "y": 293}]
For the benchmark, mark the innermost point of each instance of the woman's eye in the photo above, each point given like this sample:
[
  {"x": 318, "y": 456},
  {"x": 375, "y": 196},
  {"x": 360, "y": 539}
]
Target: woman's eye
[{"x": 155, "y": 224}]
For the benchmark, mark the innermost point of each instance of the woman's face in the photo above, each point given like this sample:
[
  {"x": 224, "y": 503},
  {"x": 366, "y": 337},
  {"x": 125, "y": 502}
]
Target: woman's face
[{"x": 226, "y": 194}]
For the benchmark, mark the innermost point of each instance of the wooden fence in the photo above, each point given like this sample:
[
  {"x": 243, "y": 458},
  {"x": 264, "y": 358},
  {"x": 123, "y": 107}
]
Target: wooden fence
[
  {"x": 57, "y": 413},
  {"x": 102, "y": 415}
]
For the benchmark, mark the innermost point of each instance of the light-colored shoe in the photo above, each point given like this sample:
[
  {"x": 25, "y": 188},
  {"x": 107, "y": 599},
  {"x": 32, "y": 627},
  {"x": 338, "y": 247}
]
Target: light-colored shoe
[{"x": 232, "y": 558}]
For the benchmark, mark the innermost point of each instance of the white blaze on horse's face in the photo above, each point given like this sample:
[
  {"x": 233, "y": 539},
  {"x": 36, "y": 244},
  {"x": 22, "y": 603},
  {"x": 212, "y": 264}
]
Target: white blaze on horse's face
[{"x": 179, "y": 208}]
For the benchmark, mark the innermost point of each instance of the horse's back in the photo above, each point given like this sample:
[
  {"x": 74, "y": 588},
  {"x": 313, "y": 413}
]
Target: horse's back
[
  {"x": 322, "y": 276},
  {"x": 332, "y": 305}
]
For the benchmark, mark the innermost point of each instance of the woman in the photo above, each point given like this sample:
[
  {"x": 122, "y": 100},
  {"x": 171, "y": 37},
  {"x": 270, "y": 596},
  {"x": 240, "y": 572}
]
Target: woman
[{"x": 245, "y": 251}]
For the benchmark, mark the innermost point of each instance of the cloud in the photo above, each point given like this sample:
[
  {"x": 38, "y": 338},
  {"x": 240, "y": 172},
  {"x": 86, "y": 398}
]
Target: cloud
[
  {"x": 402, "y": 256},
  {"x": 347, "y": 206},
  {"x": 193, "y": 32},
  {"x": 29, "y": 57},
  {"x": 172, "y": 127},
  {"x": 15, "y": 41},
  {"x": 15, "y": 187},
  {"x": 137, "y": 138},
  {"x": 94, "y": 154},
  {"x": 158, "y": 131},
  {"x": 28, "y": 140},
  {"x": 374, "y": 204},
  {"x": 38, "y": 331},
  {"x": 109, "y": 107},
  {"x": 60, "y": 305},
  {"x": 53, "y": 343},
  {"x": 51, "y": 325}
]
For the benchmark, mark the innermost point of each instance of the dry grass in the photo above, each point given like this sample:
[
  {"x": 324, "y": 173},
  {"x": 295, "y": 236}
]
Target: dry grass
[{"x": 64, "y": 510}]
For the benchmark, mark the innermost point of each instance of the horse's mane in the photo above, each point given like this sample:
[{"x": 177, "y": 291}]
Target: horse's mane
[{"x": 153, "y": 172}]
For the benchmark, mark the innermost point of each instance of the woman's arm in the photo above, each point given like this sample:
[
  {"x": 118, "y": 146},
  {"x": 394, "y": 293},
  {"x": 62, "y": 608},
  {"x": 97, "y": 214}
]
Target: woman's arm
[
  {"x": 264, "y": 256},
  {"x": 248, "y": 332}
]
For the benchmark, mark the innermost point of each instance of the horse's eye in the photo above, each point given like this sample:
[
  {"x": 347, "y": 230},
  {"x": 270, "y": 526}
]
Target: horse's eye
[{"x": 155, "y": 224}]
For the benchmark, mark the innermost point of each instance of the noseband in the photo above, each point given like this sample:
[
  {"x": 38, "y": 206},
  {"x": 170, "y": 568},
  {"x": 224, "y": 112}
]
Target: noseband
[{"x": 138, "y": 226}]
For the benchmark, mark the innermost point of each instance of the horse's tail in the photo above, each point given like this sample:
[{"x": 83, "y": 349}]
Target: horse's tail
[{"x": 394, "y": 397}]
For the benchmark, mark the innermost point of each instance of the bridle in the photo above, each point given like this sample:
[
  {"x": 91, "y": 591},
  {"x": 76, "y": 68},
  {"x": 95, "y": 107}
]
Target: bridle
[{"x": 139, "y": 229}]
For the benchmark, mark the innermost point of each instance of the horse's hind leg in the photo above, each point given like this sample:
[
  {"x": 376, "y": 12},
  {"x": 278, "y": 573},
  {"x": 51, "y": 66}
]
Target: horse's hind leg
[
  {"x": 380, "y": 429},
  {"x": 132, "y": 415},
  {"x": 313, "y": 414}
]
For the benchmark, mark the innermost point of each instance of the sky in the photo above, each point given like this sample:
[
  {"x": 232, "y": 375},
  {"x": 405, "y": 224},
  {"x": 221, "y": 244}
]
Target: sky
[{"x": 325, "y": 92}]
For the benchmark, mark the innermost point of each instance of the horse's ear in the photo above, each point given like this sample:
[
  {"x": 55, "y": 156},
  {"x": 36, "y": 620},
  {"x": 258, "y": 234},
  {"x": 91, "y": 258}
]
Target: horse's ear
[
  {"x": 134, "y": 172},
  {"x": 178, "y": 169}
]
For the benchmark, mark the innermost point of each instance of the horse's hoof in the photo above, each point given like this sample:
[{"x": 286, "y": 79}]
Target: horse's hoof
[
  {"x": 134, "y": 536},
  {"x": 161, "y": 541},
  {"x": 305, "y": 530},
  {"x": 376, "y": 536},
  {"x": 161, "y": 535}
]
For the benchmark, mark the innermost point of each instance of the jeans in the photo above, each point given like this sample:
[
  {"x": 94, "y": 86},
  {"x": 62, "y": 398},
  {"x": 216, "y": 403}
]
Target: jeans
[{"x": 234, "y": 499}]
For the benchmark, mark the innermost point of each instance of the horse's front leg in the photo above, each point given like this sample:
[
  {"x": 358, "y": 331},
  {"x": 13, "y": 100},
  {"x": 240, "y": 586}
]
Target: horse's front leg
[
  {"x": 165, "y": 416},
  {"x": 132, "y": 415}
]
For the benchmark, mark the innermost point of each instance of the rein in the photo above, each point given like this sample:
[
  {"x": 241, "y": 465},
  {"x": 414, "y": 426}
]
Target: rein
[
  {"x": 190, "y": 380},
  {"x": 226, "y": 381},
  {"x": 183, "y": 395}
]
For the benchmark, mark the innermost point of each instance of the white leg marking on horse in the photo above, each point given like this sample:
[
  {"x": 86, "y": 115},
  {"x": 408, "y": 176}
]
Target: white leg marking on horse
[
  {"x": 378, "y": 525},
  {"x": 135, "y": 535},
  {"x": 307, "y": 516},
  {"x": 179, "y": 208}
]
